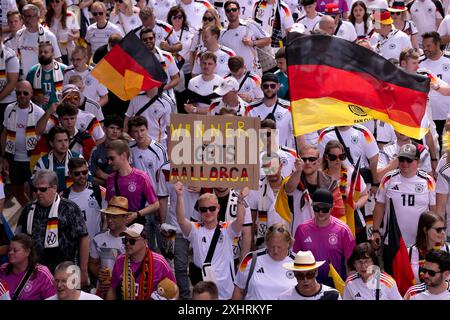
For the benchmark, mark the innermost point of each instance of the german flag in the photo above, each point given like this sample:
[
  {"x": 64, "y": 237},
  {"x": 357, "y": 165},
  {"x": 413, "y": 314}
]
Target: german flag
[
  {"x": 395, "y": 255},
  {"x": 334, "y": 82},
  {"x": 129, "y": 68}
]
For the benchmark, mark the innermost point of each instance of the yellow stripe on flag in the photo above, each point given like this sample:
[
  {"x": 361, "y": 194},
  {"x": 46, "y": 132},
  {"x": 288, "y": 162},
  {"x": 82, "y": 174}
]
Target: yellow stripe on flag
[
  {"x": 309, "y": 115},
  {"x": 125, "y": 87},
  {"x": 339, "y": 284}
]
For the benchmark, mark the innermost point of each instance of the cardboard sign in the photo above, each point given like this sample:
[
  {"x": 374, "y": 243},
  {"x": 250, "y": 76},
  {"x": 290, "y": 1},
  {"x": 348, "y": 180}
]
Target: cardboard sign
[{"x": 214, "y": 151}]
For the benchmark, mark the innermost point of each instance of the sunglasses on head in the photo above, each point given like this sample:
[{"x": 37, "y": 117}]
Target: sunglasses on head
[
  {"x": 430, "y": 272},
  {"x": 206, "y": 209},
  {"x": 305, "y": 275},
  {"x": 22, "y": 93},
  {"x": 279, "y": 229},
  {"x": 40, "y": 189},
  {"x": 333, "y": 157},
  {"x": 209, "y": 19},
  {"x": 130, "y": 241},
  {"x": 320, "y": 208},
  {"x": 83, "y": 172},
  {"x": 309, "y": 159},
  {"x": 269, "y": 85},
  {"x": 403, "y": 159},
  {"x": 179, "y": 16},
  {"x": 97, "y": 13},
  {"x": 229, "y": 10},
  {"x": 440, "y": 229}
]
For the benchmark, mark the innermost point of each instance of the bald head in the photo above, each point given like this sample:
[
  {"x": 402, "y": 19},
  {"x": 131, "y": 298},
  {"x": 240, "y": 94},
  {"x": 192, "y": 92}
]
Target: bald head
[
  {"x": 24, "y": 91},
  {"x": 328, "y": 25}
]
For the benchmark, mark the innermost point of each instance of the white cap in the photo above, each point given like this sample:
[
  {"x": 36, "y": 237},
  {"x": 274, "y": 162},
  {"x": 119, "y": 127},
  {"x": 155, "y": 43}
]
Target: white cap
[
  {"x": 227, "y": 85},
  {"x": 134, "y": 231}
]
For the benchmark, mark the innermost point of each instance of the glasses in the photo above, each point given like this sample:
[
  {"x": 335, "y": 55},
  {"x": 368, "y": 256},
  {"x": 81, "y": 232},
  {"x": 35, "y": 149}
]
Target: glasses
[
  {"x": 40, "y": 189},
  {"x": 305, "y": 275},
  {"x": 403, "y": 159},
  {"x": 333, "y": 157},
  {"x": 97, "y": 14},
  {"x": 440, "y": 229},
  {"x": 27, "y": 16},
  {"x": 179, "y": 17},
  {"x": 209, "y": 19},
  {"x": 55, "y": 1},
  {"x": 72, "y": 97},
  {"x": 309, "y": 159},
  {"x": 229, "y": 10},
  {"x": 269, "y": 85},
  {"x": 364, "y": 262},
  {"x": 396, "y": 13},
  {"x": 78, "y": 173},
  {"x": 130, "y": 241},
  {"x": 22, "y": 93},
  {"x": 318, "y": 208},
  {"x": 430, "y": 272},
  {"x": 148, "y": 39},
  {"x": 205, "y": 209}
]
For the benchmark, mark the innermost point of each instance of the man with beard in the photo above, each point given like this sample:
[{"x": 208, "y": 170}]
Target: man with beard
[
  {"x": 436, "y": 271},
  {"x": 46, "y": 77},
  {"x": 271, "y": 107}
]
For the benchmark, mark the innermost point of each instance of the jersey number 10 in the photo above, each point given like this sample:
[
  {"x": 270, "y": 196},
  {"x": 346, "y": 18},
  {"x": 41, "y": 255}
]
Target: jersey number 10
[{"x": 408, "y": 200}]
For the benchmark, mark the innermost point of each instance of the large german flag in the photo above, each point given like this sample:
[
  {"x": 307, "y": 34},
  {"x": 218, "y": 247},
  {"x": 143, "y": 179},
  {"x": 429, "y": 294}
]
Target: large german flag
[
  {"x": 335, "y": 82},
  {"x": 129, "y": 68}
]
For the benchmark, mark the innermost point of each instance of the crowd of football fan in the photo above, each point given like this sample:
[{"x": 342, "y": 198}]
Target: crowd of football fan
[{"x": 98, "y": 217}]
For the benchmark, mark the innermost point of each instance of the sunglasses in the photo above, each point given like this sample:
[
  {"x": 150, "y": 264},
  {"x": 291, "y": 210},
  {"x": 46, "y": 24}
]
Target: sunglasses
[
  {"x": 209, "y": 19},
  {"x": 41, "y": 189},
  {"x": 97, "y": 13},
  {"x": 318, "y": 208},
  {"x": 333, "y": 157},
  {"x": 78, "y": 173},
  {"x": 396, "y": 13},
  {"x": 269, "y": 85},
  {"x": 206, "y": 209},
  {"x": 148, "y": 39},
  {"x": 305, "y": 275},
  {"x": 179, "y": 17},
  {"x": 430, "y": 272},
  {"x": 72, "y": 97},
  {"x": 22, "y": 93},
  {"x": 309, "y": 159},
  {"x": 130, "y": 241},
  {"x": 403, "y": 159},
  {"x": 279, "y": 229},
  {"x": 440, "y": 229},
  {"x": 229, "y": 10}
]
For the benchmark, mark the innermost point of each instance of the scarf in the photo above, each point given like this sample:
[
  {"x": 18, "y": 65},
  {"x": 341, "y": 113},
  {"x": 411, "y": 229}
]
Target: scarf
[
  {"x": 30, "y": 131},
  {"x": 145, "y": 280},
  {"x": 51, "y": 233},
  {"x": 342, "y": 183},
  {"x": 277, "y": 33},
  {"x": 2, "y": 68},
  {"x": 58, "y": 77},
  {"x": 263, "y": 209}
]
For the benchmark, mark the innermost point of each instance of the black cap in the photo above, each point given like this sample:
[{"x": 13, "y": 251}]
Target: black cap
[
  {"x": 322, "y": 196},
  {"x": 269, "y": 76}
]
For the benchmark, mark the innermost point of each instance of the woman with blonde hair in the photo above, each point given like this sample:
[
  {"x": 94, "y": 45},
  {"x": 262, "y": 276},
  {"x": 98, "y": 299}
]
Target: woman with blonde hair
[
  {"x": 125, "y": 15},
  {"x": 261, "y": 275},
  {"x": 64, "y": 25},
  {"x": 210, "y": 18}
]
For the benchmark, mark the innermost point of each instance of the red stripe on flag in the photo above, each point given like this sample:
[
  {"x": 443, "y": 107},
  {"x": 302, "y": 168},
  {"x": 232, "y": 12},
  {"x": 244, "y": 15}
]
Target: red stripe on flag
[{"x": 319, "y": 81}]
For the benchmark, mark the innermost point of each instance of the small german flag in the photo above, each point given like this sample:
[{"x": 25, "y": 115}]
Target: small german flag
[
  {"x": 129, "y": 68},
  {"x": 334, "y": 82}
]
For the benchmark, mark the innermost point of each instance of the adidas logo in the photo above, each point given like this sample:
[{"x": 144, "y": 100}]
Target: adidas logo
[
  {"x": 395, "y": 188},
  {"x": 204, "y": 239},
  {"x": 104, "y": 244},
  {"x": 308, "y": 239},
  {"x": 260, "y": 270},
  {"x": 358, "y": 295}
]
